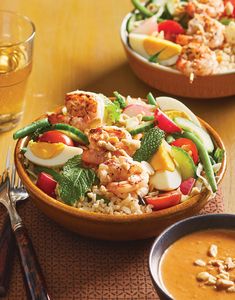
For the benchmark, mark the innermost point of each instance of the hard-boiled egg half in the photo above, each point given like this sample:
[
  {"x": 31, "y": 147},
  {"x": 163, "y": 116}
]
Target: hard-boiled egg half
[
  {"x": 166, "y": 180},
  {"x": 50, "y": 154},
  {"x": 146, "y": 45}
]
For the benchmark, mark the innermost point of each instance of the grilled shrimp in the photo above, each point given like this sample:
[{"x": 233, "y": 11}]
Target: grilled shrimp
[
  {"x": 212, "y": 8},
  {"x": 203, "y": 29},
  {"x": 206, "y": 30},
  {"x": 197, "y": 59},
  {"x": 109, "y": 139},
  {"x": 113, "y": 138},
  {"x": 122, "y": 176},
  {"x": 83, "y": 110}
]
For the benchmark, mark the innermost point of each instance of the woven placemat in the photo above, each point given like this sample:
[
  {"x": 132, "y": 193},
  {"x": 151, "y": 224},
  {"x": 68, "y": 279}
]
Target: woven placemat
[{"x": 81, "y": 268}]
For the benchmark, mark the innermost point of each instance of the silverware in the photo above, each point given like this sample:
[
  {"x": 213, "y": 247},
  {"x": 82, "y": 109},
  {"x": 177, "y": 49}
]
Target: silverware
[
  {"x": 7, "y": 241},
  {"x": 34, "y": 280}
]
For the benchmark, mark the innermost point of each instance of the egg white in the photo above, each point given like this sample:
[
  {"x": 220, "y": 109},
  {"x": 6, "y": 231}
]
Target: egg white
[
  {"x": 136, "y": 41},
  {"x": 166, "y": 180},
  {"x": 170, "y": 62},
  {"x": 58, "y": 160}
]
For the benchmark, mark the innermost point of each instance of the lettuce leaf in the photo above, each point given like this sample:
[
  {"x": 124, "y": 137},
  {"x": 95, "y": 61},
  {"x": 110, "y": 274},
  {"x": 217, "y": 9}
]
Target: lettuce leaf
[
  {"x": 112, "y": 111},
  {"x": 219, "y": 155}
]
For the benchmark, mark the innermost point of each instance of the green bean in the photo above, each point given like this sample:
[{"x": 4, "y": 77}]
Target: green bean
[
  {"x": 34, "y": 136},
  {"x": 148, "y": 118},
  {"x": 205, "y": 159},
  {"x": 138, "y": 5},
  {"x": 151, "y": 99},
  {"x": 23, "y": 132},
  {"x": 120, "y": 99}
]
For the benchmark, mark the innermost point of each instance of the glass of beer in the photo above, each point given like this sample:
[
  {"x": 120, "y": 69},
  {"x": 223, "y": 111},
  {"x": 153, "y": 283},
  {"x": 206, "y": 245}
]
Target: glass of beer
[{"x": 16, "y": 47}]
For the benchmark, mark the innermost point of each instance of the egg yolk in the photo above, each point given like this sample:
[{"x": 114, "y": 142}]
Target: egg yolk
[
  {"x": 46, "y": 150},
  {"x": 175, "y": 113},
  {"x": 166, "y": 49}
]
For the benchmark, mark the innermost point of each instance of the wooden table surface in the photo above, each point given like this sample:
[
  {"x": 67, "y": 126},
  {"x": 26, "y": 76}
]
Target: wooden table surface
[{"x": 77, "y": 46}]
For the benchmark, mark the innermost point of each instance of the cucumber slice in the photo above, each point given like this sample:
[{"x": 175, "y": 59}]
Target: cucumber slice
[
  {"x": 130, "y": 23},
  {"x": 171, "y": 6},
  {"x": 203, "y": 136},
  {"x": 72, "y": 132},
  {"x": 185, "y": 163},
  {"x": 142, "y": 128}
]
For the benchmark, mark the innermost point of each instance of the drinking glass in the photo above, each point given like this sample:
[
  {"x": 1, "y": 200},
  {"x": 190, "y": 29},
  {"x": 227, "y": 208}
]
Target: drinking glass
[{"x": 16, "y": 48}]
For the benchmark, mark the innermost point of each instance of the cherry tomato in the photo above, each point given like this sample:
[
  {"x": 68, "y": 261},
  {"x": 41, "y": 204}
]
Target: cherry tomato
[
  {"x": 164, "y": 200},
  {"x": 47, "y": 184},
  {"x": 189, "y": 146},
  {"x": 165, "y": 123},
  {"x": 171, "y": 29},
  {"x": 55, "y": 136}
]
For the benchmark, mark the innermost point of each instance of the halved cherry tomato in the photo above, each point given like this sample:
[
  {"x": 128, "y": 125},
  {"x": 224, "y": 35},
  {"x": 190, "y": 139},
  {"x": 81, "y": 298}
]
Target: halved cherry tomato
[
  {"x": 189, "y": 146},
  {"x": 164, "y": 200},
  {"x": 47, "y": 184},
  {"x": 165, "y": 123},
  {"x": 55, "y": 136},
  {"x": 171, "y": 29}
]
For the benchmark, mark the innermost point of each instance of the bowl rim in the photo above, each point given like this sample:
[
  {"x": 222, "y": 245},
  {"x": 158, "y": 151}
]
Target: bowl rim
[
  {"x": 124, "y": 38},
  {"x": 157, "y": 281},
  {"x": 93, "y": 216}
]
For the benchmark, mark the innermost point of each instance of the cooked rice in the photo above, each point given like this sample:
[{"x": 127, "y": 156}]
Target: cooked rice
[
  {"x": 226, "y": 58},
  {"x": 115, "y": 205}
]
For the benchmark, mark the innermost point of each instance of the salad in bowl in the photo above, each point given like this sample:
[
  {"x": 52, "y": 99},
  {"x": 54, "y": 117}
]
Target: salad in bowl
[
  {"x": 194, "y": 37},
  {"x": 121, "y": 156}
]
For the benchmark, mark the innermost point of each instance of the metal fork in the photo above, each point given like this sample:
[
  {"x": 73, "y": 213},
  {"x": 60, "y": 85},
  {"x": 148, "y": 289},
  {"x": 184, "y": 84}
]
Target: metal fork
[
  {"x": 7, "y": 241},
  {"x": 34, "y": 280}
]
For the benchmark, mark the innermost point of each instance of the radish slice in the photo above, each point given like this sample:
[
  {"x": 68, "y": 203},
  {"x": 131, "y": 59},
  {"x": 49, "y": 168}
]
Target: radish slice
[
  {"x": 165, "y": 123},
  {"x": 133, "y": 110},
  {"x": 47, "y": 184},
  {"x": 149, "y": 26},
  {"x": 187, "y": 185}
]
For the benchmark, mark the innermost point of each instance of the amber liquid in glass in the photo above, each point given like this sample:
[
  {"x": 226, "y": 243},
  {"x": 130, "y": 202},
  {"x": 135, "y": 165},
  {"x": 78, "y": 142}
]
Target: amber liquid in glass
[{"x": 14, "y": 71}]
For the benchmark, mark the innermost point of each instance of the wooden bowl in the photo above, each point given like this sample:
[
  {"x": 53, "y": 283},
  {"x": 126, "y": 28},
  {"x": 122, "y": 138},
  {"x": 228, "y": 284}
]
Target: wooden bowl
[
  {"x": 173, "y": 82},
  {"x": 111, "y": 227}
]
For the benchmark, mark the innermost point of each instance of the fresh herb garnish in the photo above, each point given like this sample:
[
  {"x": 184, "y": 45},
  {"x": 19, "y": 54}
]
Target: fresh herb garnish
[
  {"x": 154, "y": 58},
  {"x": 74, "y": 181},
  {"x": 219, "y": 155},
  {"x": 150, "y": 143}
]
